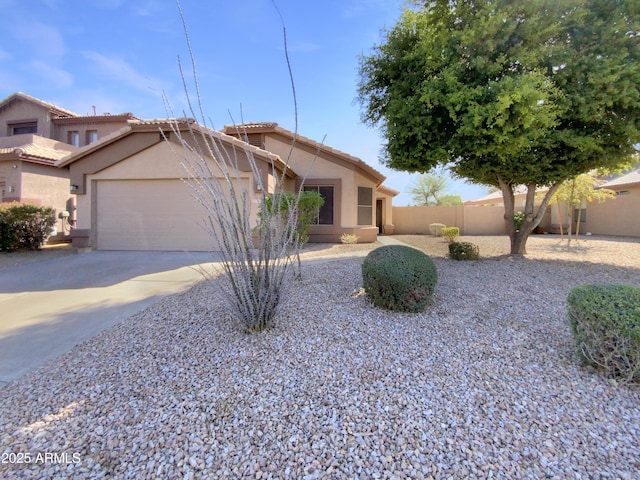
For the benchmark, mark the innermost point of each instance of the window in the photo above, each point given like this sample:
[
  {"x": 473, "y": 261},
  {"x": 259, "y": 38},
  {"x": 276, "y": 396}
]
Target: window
[
  {"x": 23, "y": 127},
  {"x": 92, "y": 136},
  {"x": 365, "y": 205},
  {"x": 73, "y": 138},
  {"x": 325, "y": 216},
  {"x": 581, "y": 214}
]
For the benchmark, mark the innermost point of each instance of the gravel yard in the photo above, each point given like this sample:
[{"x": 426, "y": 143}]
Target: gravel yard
[{"x": 482, "y": 384}]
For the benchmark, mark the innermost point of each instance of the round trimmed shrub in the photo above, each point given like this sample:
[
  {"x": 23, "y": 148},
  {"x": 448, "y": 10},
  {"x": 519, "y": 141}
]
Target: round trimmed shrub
[
  {"x": 399, "y": 278},
  {"x": 605, "y": 323},
  {"x": 436, "y": 229},
  {"x": 451, "y": 233},
  {"x": 464, "y": 251}
]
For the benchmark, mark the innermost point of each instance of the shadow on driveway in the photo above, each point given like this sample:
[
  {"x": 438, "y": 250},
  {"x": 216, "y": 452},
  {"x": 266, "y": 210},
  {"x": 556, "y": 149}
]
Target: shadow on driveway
[{"x": 48, "y": 307}]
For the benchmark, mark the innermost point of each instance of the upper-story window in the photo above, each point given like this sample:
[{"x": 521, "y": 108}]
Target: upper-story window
[
  {"x": 92, "y": 136},
  {"x": 73, "y": 138},
  {"x": 23, "y": 127}
]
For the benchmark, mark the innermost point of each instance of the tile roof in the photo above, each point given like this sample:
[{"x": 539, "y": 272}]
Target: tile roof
[
  {"x": 35, "y": 153},
  {"x": 56, "y": 110},
  {"x": 265, "y": 127},
  {"x": 497, "y": 195},
  {"x": 170, "y": 123},
  {"x": 107, "y": 117},
  {"x": 630, "y": 178}
]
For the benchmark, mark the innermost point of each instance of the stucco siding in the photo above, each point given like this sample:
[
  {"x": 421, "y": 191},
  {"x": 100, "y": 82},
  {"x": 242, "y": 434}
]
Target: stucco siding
[
  {"x": 469, "y": 219},
  {"x": 615, "y": 216},
  {"x": 21, "y": 110},
  {"x": 143, "y": 204}
]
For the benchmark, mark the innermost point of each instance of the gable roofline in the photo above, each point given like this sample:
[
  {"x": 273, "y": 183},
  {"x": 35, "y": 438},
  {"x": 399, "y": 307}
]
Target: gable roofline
[
  {"x": 120, "y": 117},
  {"x": 628, "y": 179},
  {"x": 54, "y": 109},
  {"x": 273, "y": 127},
  {"x": 520, "y": 190},
  {"x": 33, "y": 148},
  {"x": 167, "y": 126}
]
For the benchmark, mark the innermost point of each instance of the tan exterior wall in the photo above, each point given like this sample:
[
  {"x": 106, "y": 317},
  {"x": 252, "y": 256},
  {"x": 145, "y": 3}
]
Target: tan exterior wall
[
  {"x": 61, "y": 132},
  {"x": 50, "y": 186},
  {"x": 11, "y": 179},
  {"x": 615, "y": 216},
  {"x": 470, "y": 220},
  {"x": 142, "y": 203},
  {"x": 41, "y": 185},
  {"x": 19, "y": 111},
  {"x": 322, "y": 168}
]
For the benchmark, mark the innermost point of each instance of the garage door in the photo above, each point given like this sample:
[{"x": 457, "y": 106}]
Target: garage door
[{"x": 148, "y": 215}]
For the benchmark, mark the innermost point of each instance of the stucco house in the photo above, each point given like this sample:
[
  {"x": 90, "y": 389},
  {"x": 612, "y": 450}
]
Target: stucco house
[
  {"x": 619, "y": 215},
  {"x": 355, "y": 200},
  {"x": 131, "y": 193},
  {"x": 34, "y": 136}
]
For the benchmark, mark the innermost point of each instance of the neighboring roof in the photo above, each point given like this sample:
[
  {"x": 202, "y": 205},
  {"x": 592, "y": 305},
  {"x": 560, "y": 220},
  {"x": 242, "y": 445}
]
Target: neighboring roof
[
  {"x": 54, "y": 109},
  {"x": 272, "y": 127},
  {"x": 630, "y": 178},
  {"x": 497, "y": 195},
  {"x": 34, "y": 148},
  {"x": 184, "y": 124}
]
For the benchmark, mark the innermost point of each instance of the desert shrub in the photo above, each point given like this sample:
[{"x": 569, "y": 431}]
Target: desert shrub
[
  {"x": 23, "y": 225},
  {"x": 436, "y": 229},
  {"x": 464, "y": 251},
  {"x": 304, "y": 207},
  {"x": 451, "y": 233},
  {"x": 349, "y": 238},
  {"x": 605, "y": 323},
  {"x": 399, "y": 278}
]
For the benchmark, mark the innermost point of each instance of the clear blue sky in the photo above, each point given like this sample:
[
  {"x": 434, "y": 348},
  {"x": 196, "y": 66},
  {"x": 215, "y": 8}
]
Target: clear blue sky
[{"x": 121, "y": 55}]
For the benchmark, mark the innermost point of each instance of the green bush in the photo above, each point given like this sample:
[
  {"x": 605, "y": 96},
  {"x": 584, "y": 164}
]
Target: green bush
[
  {"x": 451, "y": 233},
  {"x": 464, "y": 251},
  {"x": 308, "y": 205},
  {"x": 23, "y": 225},
  {"x": 605, "y": 323},
  {"x": 436, "y": 229},
  {"x": 399, "y": 278}
]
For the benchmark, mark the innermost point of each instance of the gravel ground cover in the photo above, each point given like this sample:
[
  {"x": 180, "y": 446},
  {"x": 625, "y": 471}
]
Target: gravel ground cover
[{"x": 482, "y": 384}]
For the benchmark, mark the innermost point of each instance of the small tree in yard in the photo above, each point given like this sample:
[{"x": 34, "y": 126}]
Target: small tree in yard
[
  {"x": 576, "y": 190},
  {"x": 508, "y": 93}
]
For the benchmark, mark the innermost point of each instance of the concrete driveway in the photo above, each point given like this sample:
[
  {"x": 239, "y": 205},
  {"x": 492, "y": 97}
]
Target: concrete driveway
[{"x": 48, "y": 307}]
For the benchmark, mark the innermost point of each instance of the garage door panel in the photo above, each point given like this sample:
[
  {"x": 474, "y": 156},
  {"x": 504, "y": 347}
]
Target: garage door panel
[{"x": 148, "y": 215}]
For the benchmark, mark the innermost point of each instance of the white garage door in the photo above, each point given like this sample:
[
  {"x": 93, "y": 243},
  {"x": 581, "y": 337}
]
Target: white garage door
[{"x": 148, "y": 215}]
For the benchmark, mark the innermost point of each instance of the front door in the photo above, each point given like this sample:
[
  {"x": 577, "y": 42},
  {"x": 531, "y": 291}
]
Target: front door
[{"x": 379, "y": 215}]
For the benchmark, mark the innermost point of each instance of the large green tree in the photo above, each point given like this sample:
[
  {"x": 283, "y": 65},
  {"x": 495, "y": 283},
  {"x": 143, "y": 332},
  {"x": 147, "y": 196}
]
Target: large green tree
[{"x": 507, "y": 93}]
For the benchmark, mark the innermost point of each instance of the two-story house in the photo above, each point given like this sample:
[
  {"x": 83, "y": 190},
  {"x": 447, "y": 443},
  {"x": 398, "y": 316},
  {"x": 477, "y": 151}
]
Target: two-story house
[{"x": 34, "y": 135}]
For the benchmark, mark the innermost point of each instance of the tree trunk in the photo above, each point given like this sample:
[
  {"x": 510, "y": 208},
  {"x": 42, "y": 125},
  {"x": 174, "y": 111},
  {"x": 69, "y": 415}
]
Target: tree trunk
[
  {"x": 532, "y": 219},
  {"x": 519, "y": 243},
  {"x": 560, "y": 219},
  {"x": 569, "y": 223}
]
